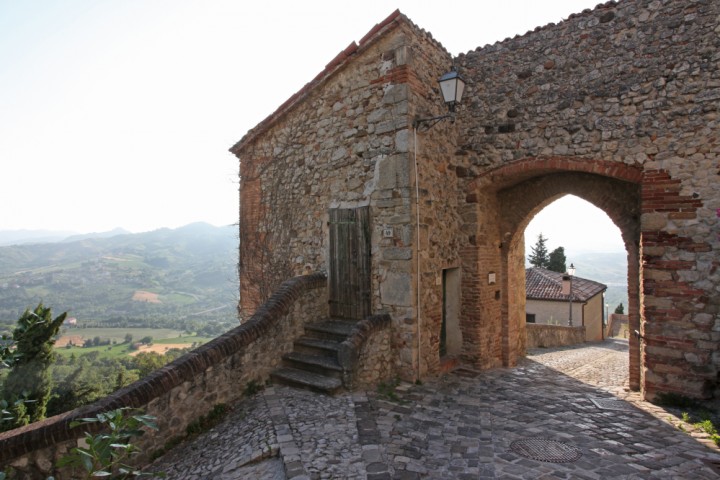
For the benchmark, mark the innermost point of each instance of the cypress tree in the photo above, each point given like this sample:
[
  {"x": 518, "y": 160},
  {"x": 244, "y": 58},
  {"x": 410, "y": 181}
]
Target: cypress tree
[{"x": 29, "y": 378}]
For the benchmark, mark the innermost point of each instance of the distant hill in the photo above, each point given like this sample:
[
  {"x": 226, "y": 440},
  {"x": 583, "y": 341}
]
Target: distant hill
[
  {"x": 20, "y": 237},
  {"x": 84, "y": 236},
  {"x": 161, "y": 278},
  {"x": 608, "y": 268}
]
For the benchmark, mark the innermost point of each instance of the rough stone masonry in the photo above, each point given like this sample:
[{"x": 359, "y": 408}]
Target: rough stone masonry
[{"x": 617, "y": 105}]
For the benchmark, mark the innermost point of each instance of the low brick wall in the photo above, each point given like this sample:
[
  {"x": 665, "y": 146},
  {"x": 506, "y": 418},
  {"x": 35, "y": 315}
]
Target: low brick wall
[
  {"x": 539, "y": 335},
  {"x": 179, "y": 393},
  {"x": 366, "y": 355}
]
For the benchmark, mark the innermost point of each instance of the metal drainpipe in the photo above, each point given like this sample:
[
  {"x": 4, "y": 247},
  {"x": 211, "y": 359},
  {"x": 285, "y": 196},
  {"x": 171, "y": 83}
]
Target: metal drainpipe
[{"x": 417, "y": 228}]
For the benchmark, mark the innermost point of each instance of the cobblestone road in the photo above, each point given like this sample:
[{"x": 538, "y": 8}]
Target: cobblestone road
[{"x": 557, "y": 415}]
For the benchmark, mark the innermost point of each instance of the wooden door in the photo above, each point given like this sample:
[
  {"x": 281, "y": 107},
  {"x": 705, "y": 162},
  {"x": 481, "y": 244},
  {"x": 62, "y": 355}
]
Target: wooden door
[{"x": 349, "y": 275}]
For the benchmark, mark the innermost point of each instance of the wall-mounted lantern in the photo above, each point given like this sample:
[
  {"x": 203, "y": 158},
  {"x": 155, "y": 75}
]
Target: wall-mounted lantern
[{"x": 452, "y": 87}]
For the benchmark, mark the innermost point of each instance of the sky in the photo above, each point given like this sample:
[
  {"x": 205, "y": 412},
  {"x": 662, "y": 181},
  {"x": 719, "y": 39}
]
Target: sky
[{"x": 120, "y": 113}]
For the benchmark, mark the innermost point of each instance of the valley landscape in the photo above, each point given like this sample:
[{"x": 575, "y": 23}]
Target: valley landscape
[{"x": 167, "y": 282}]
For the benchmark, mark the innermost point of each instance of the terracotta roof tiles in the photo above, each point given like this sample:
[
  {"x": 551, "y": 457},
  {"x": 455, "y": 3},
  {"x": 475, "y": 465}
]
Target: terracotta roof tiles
[{"x": 542, "y": 284}]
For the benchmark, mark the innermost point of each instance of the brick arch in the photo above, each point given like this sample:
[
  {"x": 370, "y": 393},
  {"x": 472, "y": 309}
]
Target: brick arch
[
  {"x": 512, "y": 173},
  {"x": 523, "y": 188},
  {"x": 620, "y": 200}
]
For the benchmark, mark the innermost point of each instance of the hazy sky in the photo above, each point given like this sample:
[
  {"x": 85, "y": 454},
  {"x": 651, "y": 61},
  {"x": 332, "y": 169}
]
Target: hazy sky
[{"x": 119, "y": 113}]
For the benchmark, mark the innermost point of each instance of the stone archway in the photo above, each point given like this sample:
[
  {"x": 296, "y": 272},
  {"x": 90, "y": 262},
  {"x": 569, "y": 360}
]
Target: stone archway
[{"x": 524, "y": 188}]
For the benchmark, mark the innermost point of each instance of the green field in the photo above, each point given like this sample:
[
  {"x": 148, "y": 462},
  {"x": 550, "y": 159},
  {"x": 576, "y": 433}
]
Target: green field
[
  {"x": 106, "y": 351},
  {"x": 160, "y": 336},
  {"x": 190, "y": 339},
  {"x": 118, "y": 334}
]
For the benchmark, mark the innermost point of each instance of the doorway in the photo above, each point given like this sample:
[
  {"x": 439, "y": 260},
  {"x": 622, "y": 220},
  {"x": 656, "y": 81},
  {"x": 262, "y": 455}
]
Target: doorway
[
  {"x": 450, "y": 334},
  {"x": 349, "y": 272}
]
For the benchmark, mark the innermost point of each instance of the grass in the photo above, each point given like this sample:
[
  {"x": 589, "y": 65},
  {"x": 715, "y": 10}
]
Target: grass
[
  {"x": 178, "y": 299},
  {"x": 189, "y": 339},
  {"x": 692, "y": 414},
  {"x": 106, "y": 351},
  {"x": 162, "y": 336},
  {"x": 118, "y": 334}
]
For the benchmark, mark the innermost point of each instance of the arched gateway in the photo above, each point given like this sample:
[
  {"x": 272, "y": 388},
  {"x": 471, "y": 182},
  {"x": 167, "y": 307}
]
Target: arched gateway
[{"x": 618, "y": 106}]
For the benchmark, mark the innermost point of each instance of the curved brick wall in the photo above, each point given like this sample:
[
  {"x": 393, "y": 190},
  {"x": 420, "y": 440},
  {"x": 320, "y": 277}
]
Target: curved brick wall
[{"x": 180, "y": 392}]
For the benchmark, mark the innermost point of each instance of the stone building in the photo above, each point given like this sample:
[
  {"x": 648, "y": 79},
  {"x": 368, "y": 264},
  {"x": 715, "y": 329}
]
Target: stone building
[
  {"x": 618, "y": 106},
  {"x": 548, "y": 301}
]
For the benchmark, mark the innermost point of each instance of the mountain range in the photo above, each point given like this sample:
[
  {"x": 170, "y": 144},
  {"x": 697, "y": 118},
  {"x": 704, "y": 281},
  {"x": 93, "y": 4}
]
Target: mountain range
[{"x": 166, "y": 277}]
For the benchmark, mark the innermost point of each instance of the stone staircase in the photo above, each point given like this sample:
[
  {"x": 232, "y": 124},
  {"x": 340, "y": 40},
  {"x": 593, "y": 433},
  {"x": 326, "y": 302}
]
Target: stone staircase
[{"x": 314, "y": 364}]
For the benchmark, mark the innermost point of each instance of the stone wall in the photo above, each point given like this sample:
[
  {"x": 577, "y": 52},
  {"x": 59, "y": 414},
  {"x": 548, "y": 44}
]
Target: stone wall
[
  {"x": 345, "y": 141},
  {"x": 618, "y": 105},
  {"x": 548, "y": 336},
  {"x": 367, "y": 356},
  {"x": 626, "y": 97},
  {"x": 179, "y": 393}
]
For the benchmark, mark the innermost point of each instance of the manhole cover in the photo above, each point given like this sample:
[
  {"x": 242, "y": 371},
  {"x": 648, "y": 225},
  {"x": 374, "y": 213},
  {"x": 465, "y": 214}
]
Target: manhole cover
[
  {"x": 544, "y": 450},
  {"x": 612, "y": 404}
]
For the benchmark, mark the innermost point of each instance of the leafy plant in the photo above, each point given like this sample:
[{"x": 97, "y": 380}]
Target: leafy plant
[
  {"x": 206, "y": 422},
  {"x": 107, "y": 453},
  {"x": 387, "y": 390},
  {"x": 251, "y": 388}
]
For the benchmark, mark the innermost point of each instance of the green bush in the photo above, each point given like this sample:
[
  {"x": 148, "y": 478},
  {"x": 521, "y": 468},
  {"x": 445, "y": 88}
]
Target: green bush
[{"x": 107, "y": 453}]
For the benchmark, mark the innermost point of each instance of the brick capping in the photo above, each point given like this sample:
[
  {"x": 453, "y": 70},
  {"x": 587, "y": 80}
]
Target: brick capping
[
  {"x": 46, "y": 433},
  {"x": 350, "y": 349}
]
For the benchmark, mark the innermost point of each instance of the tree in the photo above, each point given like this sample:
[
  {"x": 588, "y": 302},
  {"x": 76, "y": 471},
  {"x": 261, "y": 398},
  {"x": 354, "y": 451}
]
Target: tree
[
  {"x": 29, "y": 378},
  {"x": 620, "y": 309},
  {"x": 539, "y": 255},
  {"x": 147, "y": 362},
  {"x": 556, "y": 260}
]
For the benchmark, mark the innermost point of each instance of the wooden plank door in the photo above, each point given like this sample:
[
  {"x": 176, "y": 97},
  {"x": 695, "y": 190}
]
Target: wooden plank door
[{"x": 349, "y": 271}]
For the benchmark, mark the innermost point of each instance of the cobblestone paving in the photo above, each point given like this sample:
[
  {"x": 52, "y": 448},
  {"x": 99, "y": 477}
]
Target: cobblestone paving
[{"x": 459, "y": 426}]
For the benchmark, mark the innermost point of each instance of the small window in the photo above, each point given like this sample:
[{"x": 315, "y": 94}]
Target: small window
[{"x": 529, "y": 318}]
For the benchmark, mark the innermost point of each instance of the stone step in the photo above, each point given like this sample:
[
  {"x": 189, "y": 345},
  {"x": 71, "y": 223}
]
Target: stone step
[
  {"x": 320, "y": 364},
  {"x": 306, "y": 380},
  {"x": 317, "y": 346},
  {"x": 337, "y": 330}
]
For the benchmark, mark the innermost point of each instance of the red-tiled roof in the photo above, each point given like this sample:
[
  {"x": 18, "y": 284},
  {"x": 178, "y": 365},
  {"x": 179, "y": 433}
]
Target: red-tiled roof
[{"x": 542, "y": 284}]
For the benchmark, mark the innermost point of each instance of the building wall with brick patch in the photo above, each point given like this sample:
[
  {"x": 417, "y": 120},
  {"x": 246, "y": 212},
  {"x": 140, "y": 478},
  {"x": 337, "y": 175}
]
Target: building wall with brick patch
[
  {"x": 624, "y": 97},
  {"x": 617, "y": 105},
  {"x": 345, "y": 141}
]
